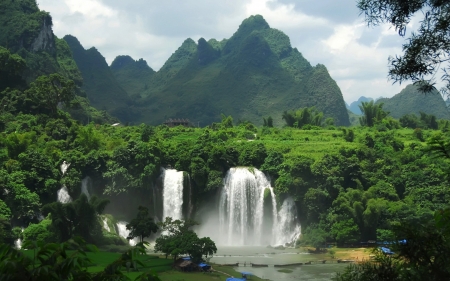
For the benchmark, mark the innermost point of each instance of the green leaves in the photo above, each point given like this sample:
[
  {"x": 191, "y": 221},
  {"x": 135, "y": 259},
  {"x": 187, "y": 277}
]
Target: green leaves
[{"x": 142, "y": 226}]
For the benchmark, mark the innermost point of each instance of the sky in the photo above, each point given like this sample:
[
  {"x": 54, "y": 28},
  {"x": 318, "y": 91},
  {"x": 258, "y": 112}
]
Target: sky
[{"x": 328, "y": 32}]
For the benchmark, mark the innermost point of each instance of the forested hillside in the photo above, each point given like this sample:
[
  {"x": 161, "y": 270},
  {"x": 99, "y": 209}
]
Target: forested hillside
[
  {"x": 29, "y": 49},
  {"x": 350, "y": 185},
  {"x": 254, "y": 74},
  {"x": 411, "y": 101}
]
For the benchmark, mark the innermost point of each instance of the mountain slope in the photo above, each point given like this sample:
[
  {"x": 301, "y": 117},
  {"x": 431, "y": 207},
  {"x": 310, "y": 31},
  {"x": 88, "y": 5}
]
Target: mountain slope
[
  {"x": 102, "y": 89},
  {"x": 410, "y": 100},
  {"x": 253, "y": 74},
  {"x": 354, "y": 106},
  {"x": 132, "y": 75}
]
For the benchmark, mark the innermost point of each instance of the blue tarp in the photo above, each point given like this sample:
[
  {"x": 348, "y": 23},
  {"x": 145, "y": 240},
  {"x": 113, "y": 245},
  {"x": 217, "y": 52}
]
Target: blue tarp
[
  {"x": 235, "y": 279},
  {"x": 246, "y": 273},
  {"x": 386, "y": 251},
  {"x": 203, "y": 264}
]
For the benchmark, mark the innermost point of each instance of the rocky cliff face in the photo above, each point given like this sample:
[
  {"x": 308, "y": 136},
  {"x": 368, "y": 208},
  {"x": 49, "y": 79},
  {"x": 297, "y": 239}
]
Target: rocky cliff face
[{"x": 45, "y": 40}]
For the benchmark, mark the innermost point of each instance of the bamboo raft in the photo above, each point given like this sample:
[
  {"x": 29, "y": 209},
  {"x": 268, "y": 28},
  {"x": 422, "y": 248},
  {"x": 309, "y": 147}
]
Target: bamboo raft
[
  {"x": 289, "y": 264},
  {"x": 259, "y": 265},
  {"x": 230, "y": 264}
]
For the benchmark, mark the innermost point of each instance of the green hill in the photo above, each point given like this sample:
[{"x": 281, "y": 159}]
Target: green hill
[
  {"x": 132, "y": 75},
  {"x": 26, "y": 34},
  {"x": 410, "y": 100},
  {"x": 102, "y": 89},
  {"x": 254, "y": 74},
  {"x": 27, "y": 31}
]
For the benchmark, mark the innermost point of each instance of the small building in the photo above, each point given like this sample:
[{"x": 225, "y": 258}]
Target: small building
[{"x": 177, "y": 122}]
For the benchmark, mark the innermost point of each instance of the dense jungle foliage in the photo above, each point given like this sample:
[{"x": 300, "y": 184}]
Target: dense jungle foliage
[{"x": 350, "y": 184}]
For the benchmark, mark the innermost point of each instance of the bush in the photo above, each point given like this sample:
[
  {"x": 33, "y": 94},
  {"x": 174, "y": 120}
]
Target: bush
[{"x": 40, "y": 232}]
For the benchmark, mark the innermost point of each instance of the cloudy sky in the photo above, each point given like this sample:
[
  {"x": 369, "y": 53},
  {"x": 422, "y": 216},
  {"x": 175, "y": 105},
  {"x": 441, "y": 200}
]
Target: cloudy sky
[{"x": 329, "y": 32}]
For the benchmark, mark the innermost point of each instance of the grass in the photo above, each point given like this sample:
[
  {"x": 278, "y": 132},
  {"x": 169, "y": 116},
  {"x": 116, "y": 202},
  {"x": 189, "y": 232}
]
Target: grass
[{"x": 158, "y": 264}]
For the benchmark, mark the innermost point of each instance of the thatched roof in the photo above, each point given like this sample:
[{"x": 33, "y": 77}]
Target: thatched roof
[{"x": 186, "y": 264}]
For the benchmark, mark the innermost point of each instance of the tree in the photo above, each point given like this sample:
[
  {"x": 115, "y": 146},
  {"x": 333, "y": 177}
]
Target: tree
[
  {"x": 372, "y": 113},
  {"x": 11, "y": 66},
  {"x": 304, "y": 116},
  {"x": 181, "y": 240},
  {"x": 66, "y": 261},
  {"x": 47, "y": 92},
  {"x": 77, "y": 218},
  {"x": 142, "y": 226},
  {"x": 427, "y": 50}
]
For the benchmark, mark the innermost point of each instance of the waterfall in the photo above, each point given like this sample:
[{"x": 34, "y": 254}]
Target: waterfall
[
  {"x": 105, "y": 224},
  {"x": 190, "y": 207},
  {"x": 18, "y": 244},
  {"x": 84, "y": 187},
  {"x": 172, "y": 194},
  {"x": 287, "y": 229},
  {"x": 124, "y": 232},
  {"x": 63, "y": 195},
  {"x": 64, "y": 167},
  {"x": 241, "y": 208}
]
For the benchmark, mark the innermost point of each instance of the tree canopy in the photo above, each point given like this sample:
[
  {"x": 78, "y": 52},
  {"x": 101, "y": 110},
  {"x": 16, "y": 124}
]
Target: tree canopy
[
  {"x": 181, "y": 240},
  {"x": 427, "y": 49},
  {"x": 142, "y": 226}
]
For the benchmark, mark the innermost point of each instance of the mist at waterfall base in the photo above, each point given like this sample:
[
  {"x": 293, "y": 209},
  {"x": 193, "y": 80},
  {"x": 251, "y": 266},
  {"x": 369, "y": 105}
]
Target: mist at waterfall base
[{"x": 246, "y": 213}]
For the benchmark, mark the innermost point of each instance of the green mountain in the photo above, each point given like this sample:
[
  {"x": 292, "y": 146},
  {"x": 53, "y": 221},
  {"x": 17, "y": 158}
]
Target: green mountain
[
  {"x": 98, "y": 80},
  {"x": 354, "y": 106},
  {"x": 132, "y": 75},
  {"x": 410, "y": 100},
  {"x": 26, "y": 35},
  {"x": 254, "y": 74},
  {"x": 27, "y": 31}
]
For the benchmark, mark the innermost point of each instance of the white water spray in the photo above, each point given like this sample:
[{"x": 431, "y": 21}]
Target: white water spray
[
  {"x": 241, "y": 207},
  {"x": 64, "y": 167},
  {"x": 287, "y": 229},
  {"x": 85, "y": 187},
  {"x": 18, "y": 242},
  {"x": 63, "y": 195},
  {"x": 172, "y": 194},
  {"x": 105, "y": 224},
  {"x": 123, "y": 232}
]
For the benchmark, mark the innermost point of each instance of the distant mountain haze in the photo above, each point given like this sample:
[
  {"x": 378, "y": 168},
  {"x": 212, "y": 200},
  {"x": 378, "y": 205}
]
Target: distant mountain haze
[{"x": 354, "y": 106}]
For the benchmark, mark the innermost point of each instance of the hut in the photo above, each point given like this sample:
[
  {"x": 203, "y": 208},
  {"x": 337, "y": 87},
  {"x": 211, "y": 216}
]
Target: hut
[
  {"x": 177, "y": 122},
  {"x": 186, "y": 266}
]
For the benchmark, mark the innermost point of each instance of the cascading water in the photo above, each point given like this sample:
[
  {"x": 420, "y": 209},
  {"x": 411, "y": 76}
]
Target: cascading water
[
  {"x": 64, "y": 167},
  {"x": 248, "y": 217},
  {"x": 172, "y": 194},
  {"x": 18, "y": 242},
  {"x": 123, "y": 232},
  {"x": 85, "y": 187},
  {"x": 241, "y": 215},
  {"x": 63, "y": 195},
  {"x": 287, "y": 229},
  {"x": 105, "y": 224}
]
